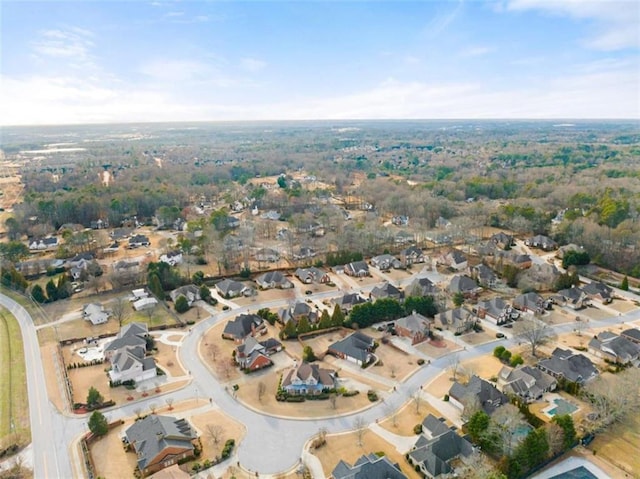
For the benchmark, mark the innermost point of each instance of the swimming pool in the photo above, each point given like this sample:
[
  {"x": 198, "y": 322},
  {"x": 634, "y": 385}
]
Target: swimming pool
[{"x": 561, "y": 407}]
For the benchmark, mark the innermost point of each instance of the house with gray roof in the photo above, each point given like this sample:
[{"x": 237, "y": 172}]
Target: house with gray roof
[
  {"x": 411, "y": 255},
  {"x": 130, "y": 336},
  {"x": 273, "y": 279},
  {"x": 563, "y": 363},
  {"x": 632, "y": 334},
  {"x": 528, "y": 383},
  {"x": 160, "y": 441},
  {"x": 190, "y": 291},
  {"x": 502, "y": 240},
  {"x": 308, "y": 379},
  {"x": 611, "y": 347},
  {"x": 297, "y": 311},
  {"x": 541, "y": 241},
  {"x": 267, "y": 254},
  {"x": 497, "y": 311},
  {"x": 252, "y": 354},
  {"x": 357, "y": 269},
  {"x": 386, "y": 290},
  {"x": 370, "y": 466},
  {"x": 484, "y": 276},
  {"x": 414, "y": 326},
  {"x": 598, "y": 291},
  {"x": 573, "y": 297},
  {"x": 385, "y": 262},
  {"x": 422, "y": 287},
  {"x": 454, "y": 259},
  {"x": 459, "y": 320},
  {"x": 348, "y": 300},
  {"x": 488, "y": 396},
  {"x": 465, "y": 285},
  {"x": 312, "y": 275},
  {"x": 244, "y": 325},
  {"x": 437, "y": 448},
  {"x": 531, "y": 301},
  {"x": 127, "y": 355},
  {"x": 357, "y": 348},
  {"x": 229, "y": 288}
]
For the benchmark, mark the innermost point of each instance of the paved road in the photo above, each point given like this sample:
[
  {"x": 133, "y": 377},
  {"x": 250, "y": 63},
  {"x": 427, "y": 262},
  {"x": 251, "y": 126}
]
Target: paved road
[{"x": 271, "y": 444}]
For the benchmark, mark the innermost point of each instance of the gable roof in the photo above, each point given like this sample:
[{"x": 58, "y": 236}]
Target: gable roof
[
  {"x": 310, "y": 274},
  {"x": 463, "y": 284},
  {"x": 424, "y": 285},
  {"x": 355, "y": 345},
  {"x": 632, "y": 333},
  {"x": 151, "y": 435},
  {"x": 488, "y": 395},
  {"x": 596, "y": 288},
  {"x": 574, "y": 367},
  {"x": 242, "y": 325},
  {"x": 415, "y": 322},
  {"x": 275, "y": 277},
  {"x": 368, "y": 467},
  {"x": 305, "y": 371},
  {"x": 619, "y": 346},
  {"x": 130, "y": 335},
  {"x": 229, "y": 286},
  {"x": 387, "y": 290},
  {"x": 436, "y": 454},
  {"x": 356, "y": 267}
]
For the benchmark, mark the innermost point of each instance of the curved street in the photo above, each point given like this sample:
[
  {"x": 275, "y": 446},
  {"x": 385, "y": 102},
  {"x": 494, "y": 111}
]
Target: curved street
[{"x": 271, "y": 444}]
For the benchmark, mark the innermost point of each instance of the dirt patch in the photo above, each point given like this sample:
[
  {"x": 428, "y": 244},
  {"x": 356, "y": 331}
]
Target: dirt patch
[
  {"x": 203, "y": 423},
  {"x": 393, "y": 363},
  {"x": 622, "y": 306},
  {"x": 593, "y": 313},
  {"x": 345, "y": 447},
  {"x": 437, "y": 348},
  {"x": 440, "y": 385},
  {"x": 484, "y": 366},
  {"x": 166, "y": 358}
]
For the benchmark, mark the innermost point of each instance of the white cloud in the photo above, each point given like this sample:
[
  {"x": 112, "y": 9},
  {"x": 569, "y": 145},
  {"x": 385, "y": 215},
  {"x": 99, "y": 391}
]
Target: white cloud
[
  {"x": 616, "y": 22},
  {"x": 252, "y": 65},
  {"x": 440, "y": 23},
  {"x": 174, "y": 14},
  {"x": 476, "y": 51},
  {"x": 74, "y": 43}
]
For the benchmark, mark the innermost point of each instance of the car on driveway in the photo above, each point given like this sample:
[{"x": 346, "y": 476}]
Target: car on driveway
[{"x": 500, "y": 335}]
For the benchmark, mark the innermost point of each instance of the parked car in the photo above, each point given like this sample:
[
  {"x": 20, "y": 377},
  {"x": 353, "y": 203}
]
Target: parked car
[{"x": 500, "y": 335}]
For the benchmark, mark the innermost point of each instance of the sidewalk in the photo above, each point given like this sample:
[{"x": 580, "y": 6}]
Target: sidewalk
[{"x": 403, "y": 444}]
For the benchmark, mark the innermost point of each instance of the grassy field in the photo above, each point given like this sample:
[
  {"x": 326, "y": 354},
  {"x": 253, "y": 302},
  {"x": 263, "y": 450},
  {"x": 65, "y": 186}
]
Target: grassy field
[{"x": 14, "y": 410}]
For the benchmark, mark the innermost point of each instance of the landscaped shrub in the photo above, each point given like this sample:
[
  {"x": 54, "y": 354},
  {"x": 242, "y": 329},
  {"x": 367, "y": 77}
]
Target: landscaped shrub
[
  {"x": 417, "y": 429},
  {"x": 350, "y": 393},
  {"x": 294, "y": 399},
  {"x": 497, "y": 352},
  {"x": 420, "y": 362},
  {"x": 446, "y": 398},
  {"x": 372, "y": 395}
]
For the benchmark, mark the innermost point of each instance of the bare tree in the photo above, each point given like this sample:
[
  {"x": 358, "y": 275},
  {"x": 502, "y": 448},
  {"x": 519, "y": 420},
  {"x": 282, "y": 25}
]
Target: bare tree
[
  {"x": 392, "y": 412},
  {"x": 153, "y": 407},
  {"x": 120, "y": 310},
  {"x": 360, "y": 426},
  {"x": 138, "y": 412},
  {"x": 149, "y": 311},
  {"x": 613, "y": 398},
  {"x": 505, "y": 421},
  {"x": 333, "y": 400},
  {"x": 262, "y": 388},
  {"x": 214, "y": 351},
  {"x": 471, "y": 404},
  {"x": 555, "y": 437},
  {"x": 534, "y": 332},
  {"x": 417, "y": 400},
  {"x": 454, "y": 365},
  {"x": 393, "y": 369},
  {"x": 214, "y": 432},
  {"x": 169, "y": 402},
  {"x": 227, "y": 367}
]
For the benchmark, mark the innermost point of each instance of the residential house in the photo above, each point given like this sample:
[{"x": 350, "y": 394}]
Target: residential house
[
  {"x": 228, "y": 288},
  {"x": 562, "y": 250},
  {"x": 521, "y": 261},
  {"x": 244, "y": 325},
  {"x": 358, "y": 269},
  {"x": 632, "y": 334},
  {"x": 530, "y": 302},
  {"x": 385, "y": 262},
  {"x": 43, "y": 244},
  {"x": 127, "y": 266},
  {"x": 411, "y": 255},
  {"x": 171, "y": 472},
  {"x": 574, "y": 297},
  {"x": 484, "y": 276},
  {"x": 497, "y": 311},
  {"x": 502, "y": 240},
  {"x": 403, "y": 237},
  {"x": 95, "y": 313},
  {"x": 457, "y": 320},
  {"x": 436, "y": 449},
  {"x": 304, "y": 253},
  {"x": 253, "y": 355},
  {"x": 160, "y": 441},
  {"x": 465, "y": 285},
  {"x": 267, "y": 254},
  {"x": 137, "y": 294},
  {"x": 489, "y": 398},
  {"x": 454, "y": 259},
  {"x": 348, "y": 301},
  {"x": 81, "y": 260},
  {"x": 189, "y": 291},
  {"x": 273, "y": 279},
  {"x": 172, "y": 258},
  {"x": 357, "y": 348},
  {"x": 99, "y": 224},
  {"x": 598, "y": 291},
  {"x": 414, "y": 326},
  {"x": 422, "y": 287},
  {"x": 312, "y": 275},
  {"x": 119, "y": 234},
  {"x": 272, "y": 215},
  {"x": 308, "y": 379},
  {"x": 386, "y": 290},
  {"x": 127, "y": 355},
  {"x": 400, "y": 220},
  {"x": 112, "y": 248},
  {"x": 611, "y": 347},
  {"x": 296, "y": 312},
  {"x": 443, "y": 223},
  {"x": 138, "y": 241},
  {"x": 541, "y": 241},
  {"x": 371, "y": 466},
  {"x": 528, "y": 383},
  {"x": 563, "y": 363}
]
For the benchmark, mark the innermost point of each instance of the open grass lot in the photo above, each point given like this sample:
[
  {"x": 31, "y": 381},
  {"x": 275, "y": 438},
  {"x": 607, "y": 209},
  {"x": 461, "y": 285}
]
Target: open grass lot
[
  {"x": 622, "y": 305},
  {"x": 593, "y": 313},
  {"x": 345, "y": 447},
  {"x": 474, "y": 338},
  {"x": 14, "y": 403},
  {"x": 438, "y": 348},
  {"x": 407, "y": 417},
  {"x": 265, "y": 295},
  {"x": 560, "y": 316}
]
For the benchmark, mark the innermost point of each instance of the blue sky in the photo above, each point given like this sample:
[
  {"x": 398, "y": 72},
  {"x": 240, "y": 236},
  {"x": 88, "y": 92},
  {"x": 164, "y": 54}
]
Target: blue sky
[{"x": 125, "y": 61}]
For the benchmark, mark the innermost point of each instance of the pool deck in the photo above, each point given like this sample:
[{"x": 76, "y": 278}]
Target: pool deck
[{"x": 570, "y": 464}]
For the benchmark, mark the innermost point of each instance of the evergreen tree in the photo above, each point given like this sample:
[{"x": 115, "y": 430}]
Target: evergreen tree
[
  {"x": 182, "y": 304},
  {"x": 52, "y": 290},
  {"x": 458, "y": 299},
  {"x": 205, "y": 293},
  {"x": 325, "y": 320},
  {"x": 63, "y": 287},
  {"x": 98, "y": 424},
  {"x": 289, "y": 330},
  {"x": 37, "y": 293},
  {"x": 478, "y": 425},
  {"x": 565, "y": 421},
  {"x": 303, "y": 326},
  {"x": 94, "y": 398},
  {"x": 308, "y": 355},
  {"x": 624, "y": 286},
  {"x": 337, "y": 318},
  {"x": 155, "y": 286}
]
